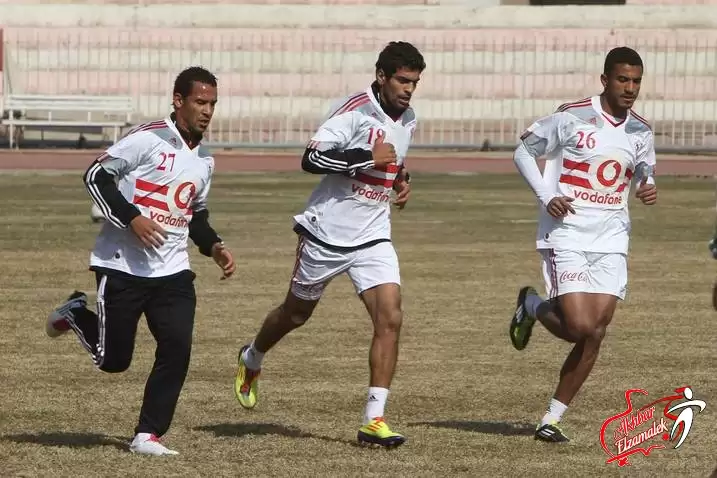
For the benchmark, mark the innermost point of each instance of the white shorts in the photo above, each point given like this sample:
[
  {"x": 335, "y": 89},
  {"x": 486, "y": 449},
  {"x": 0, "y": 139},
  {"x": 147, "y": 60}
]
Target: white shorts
[
  {"x": 578, "y": 271},
  {"x": 317, "y": 265}
]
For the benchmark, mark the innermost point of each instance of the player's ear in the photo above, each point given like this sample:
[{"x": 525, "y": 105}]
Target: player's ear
[
  {"x": 380, "y": 77},
  {"x": 603, "y": 80},
  {"x": 177, "y": 101}
]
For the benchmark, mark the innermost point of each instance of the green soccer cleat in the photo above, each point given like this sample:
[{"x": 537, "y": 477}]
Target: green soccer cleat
[
  {"x": 521, "y": 325},
  {"x": 246, "y": 383}
]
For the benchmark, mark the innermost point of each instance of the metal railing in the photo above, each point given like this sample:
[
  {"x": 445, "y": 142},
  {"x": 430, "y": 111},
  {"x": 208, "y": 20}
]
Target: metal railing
[{"x": 275, "y": 85}]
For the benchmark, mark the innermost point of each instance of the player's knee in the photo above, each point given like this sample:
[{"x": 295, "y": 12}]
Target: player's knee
[
  {"x": 294, "y": 316},
  {"x": 389, "y": 321},
  {"x": 598, "y": 333},
  {"x": 114, "y": 364},
  {"x": 592, "y": 331},
  {"x": 585, "y": 329},
  {"x": 181, "y": 350}
]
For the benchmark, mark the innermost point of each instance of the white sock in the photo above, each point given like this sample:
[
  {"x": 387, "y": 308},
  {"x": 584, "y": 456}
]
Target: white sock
[
  {"x": 554, "y": 413},
  {"x": 252, "y": 357},
  {"x": 532, "y": 302},
  {"x": 375, "y": 403}
]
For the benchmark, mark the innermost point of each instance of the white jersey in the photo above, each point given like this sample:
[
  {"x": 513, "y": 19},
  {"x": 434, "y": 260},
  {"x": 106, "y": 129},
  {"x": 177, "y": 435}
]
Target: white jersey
[
  {"x": 349, "y": 211},
  {"x": 592, "y": 158},
  {"x": 167, "y": 182}
]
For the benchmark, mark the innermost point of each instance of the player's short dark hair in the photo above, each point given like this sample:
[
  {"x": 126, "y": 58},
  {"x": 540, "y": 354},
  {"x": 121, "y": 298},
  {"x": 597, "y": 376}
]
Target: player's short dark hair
[
  {"x": 397, "y": 55},
  {"x": 621, "y": 55},
  {"x": 184, "y": 81}
]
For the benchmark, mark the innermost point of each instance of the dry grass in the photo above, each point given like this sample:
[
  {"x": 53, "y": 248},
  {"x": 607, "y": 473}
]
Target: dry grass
[{"x": 466, "y": 400}]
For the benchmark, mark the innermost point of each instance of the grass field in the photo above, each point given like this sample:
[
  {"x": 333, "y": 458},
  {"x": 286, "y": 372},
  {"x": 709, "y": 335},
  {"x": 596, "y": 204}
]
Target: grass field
[{"x": 467, "y": 401}]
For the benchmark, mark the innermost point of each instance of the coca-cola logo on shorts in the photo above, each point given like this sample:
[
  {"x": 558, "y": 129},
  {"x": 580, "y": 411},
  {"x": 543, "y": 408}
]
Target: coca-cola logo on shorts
[{"x": 567, "y": 276}]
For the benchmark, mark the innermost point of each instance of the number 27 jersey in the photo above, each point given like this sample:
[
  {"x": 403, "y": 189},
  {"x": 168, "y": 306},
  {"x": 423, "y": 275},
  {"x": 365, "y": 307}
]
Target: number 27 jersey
[
  {"x": 167, "y": 182},
  {"x": 592, "y": 158}
]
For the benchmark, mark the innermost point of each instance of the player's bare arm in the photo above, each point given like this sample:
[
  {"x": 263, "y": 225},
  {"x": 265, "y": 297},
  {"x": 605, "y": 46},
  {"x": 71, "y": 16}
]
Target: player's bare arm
[
  {"x": 402, "y": 186},
  {"x": 209, "y": 242},
  {"x": 101, "y": 185}
]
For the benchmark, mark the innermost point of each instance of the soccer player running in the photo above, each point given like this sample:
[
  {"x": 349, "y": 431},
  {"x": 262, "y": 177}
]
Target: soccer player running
[
  {"x": 152, "y": 187},
  {"x": 595, "y": 148},
  {"x": 360, "y": 149}
]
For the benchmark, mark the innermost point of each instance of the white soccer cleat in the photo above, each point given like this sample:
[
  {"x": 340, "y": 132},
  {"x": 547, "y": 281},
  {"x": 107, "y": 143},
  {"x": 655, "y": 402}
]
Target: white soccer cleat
[
  {"x": 148, "y": 444},
  {"x": 57, "y": 322}
]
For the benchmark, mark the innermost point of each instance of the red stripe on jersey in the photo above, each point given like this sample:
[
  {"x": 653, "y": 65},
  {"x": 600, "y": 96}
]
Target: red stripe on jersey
[
  {"x": 575, "y": 181},
  {"x": 356, "y": 104},
  {"x": 574, "y": 165},
  {"x": 628, "y": 174},
  {"x": 574, "y": 105},
  {"x": 584, "y": 102},
  {"x": 373, "y": 181},
  {"x": 148, "y": 187},
  {"x": 640, "y": 119},
  {"x": 389, "y": 168},
  {"x": 353, "y": 104},
  {"x": 149, "y": 202},
  {"x": 349, "y": 102},
  {"x": 103, "y": 157},
  {"x": 147, "y": 126},
  {"x": 609, "y": 120}
]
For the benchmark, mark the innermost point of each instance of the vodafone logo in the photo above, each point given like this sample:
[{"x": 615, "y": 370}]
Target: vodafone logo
[
  {"x": 606, "y": 175},
  {"x": 182, "y": 197}
]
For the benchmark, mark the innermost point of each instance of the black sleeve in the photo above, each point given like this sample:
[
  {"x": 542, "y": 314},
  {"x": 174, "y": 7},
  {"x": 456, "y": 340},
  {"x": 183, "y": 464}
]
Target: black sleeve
[
  {"x": 104, "y": 193},
  {"x": 334, "y": 161},
  {"x": 202, "y": 233}
]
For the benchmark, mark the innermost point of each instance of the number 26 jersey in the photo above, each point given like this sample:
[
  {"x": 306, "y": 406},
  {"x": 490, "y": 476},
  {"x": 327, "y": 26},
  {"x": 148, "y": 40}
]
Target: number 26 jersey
[{"x": 592, "y": 158}]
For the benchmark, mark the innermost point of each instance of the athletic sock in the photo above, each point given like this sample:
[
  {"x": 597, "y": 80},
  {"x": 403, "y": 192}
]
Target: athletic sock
[
  {"x": 375, "y": 403},
  {"x": 554, "y": 413}
]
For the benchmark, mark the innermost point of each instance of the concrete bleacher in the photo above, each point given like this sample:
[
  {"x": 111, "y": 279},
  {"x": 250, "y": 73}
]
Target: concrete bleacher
[{"x": 491, "y": 69}]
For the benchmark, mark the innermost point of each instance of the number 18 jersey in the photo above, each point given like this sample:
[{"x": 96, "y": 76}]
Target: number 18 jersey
[{"x": 592, "y": 158}]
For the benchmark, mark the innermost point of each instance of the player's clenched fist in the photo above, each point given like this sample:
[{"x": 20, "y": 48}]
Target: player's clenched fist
[
  {"x": 560, "y": 206},
  {"x": 383, "y": 153},
  {"x": 148, "y": 231},
  {"x": 647, "y": 193}
]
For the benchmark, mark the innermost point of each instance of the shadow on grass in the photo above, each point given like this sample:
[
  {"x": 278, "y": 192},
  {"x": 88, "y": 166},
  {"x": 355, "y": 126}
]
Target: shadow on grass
[
  {"x": 245, "y": 429},
  {"x": 68, "y": 439},
  {"x": 491, "y": 428}
]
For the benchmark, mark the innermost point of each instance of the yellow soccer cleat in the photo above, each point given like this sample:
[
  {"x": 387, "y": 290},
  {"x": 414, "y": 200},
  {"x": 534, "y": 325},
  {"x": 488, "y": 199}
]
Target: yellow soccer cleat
[
  {"x": 521, "y": 324},
  {"x": 246, "y": 383},
  {"x": 376, "y": 432}
]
